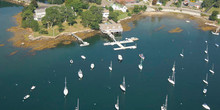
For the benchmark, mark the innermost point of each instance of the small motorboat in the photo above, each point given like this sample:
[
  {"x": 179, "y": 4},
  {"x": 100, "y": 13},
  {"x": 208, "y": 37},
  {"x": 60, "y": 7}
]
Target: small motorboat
[
  {"x": 26, "y": 97},
  {"x": 92, "y": 66},
  {"x": 65, "y": 91},
  {"x": 187, "y": 21},
  {"x": 71, "y": 61},
  {"x": 83, "y": 57},
  {"x": 142, "y": 56},
  {"x": 212, "y": 70},
  {"x": 206, "y": 41},
  {"x": 117, "y": 104},
  {"x": 217, "y": 45},
  {"x": 110, "y": 67},
  {"x": 120, "y": 57},
  {"x": 206, "y": 79},
  {"x": 205, "y": 106},
  {"x": 33, "y": 87},
  {"x": 182, "y": 54}
]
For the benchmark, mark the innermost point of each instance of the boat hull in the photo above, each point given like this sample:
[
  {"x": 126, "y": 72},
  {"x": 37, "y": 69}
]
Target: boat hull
[{"x": 122, "y": 88}]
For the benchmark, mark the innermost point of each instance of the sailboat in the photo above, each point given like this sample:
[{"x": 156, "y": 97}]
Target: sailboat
[
  {"x": 142, "y": 56},
  {"x": 204, "y": 91},
  {"x": 205, "y": 106},
  {"x": 212, "y": 70},
  {"x": 26, "y": 97},
  {"x": 80, "y": 74},
  {"x": 77, "y": 107},
  {"x": 171, "y": 79},
  {"x": 207, "y": 58},
  {"x": 181, "y": 54},
  {"x": 120, "y": 57},
  {"x": 65, "y": 91},
  {"x": 164, "y": 106},
  {"x": 174, "y": 66},
  {"x": 92, "y": 66},
  {"x": 206, "y": 50},
  {"x": 140, "y": 66},
  {"x": 71, "y": 61},
  {"x": 206, "y": 79},
  {"x": 110, "y": 67},
  {"x": 117, "y": 104},
  {"x": 122, "y": 86},
  {"x": 33, "y": 87},
  {"x": 217, "y": 45}
]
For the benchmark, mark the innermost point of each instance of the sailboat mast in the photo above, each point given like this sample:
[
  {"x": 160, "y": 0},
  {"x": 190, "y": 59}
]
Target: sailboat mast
[
  {"x": 124, "y": 81},
  {"x": 118, "y": 101},
  {"x": 65, "y": 81},
  {"x": 78, "y": 104},
  {"x": 166, "y": 102},
  {"x": 207, "y": 77},
  {"x": 213, "y": 67}
]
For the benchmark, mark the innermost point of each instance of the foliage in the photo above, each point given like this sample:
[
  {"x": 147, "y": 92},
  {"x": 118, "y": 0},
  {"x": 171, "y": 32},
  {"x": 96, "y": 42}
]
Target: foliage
[
  {"x": 55, "y": 1},
  {"x": 138, "y": 9},
  {"x": 111, "y": 9},
  {"x": 217, "y": 4},
  {"x": 178, "y": 4},
  {"x": 77, "y": 5},
  {"x": 43, "y": 32},
  {"x": 160, "y": 8},
  {"x": 207, "y": 3},
  {"x": 34, "y": 3},
  {"x": 154, "y": 2},
  {"x": 213, "y": 16},
  {"x": 94, "y": 1},
  {"x": 164, "y": 2},
  {"x": 113, "y": 15},
  {"x": 52, "y": 17},
  {"x": 92, "y": 17}
]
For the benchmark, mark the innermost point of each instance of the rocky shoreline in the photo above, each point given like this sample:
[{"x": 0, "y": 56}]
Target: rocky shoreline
[{"x": 23, "y": 37}]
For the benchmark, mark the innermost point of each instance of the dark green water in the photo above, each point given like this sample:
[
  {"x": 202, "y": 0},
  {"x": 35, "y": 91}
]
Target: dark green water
[{"x": 99, "y": 88}]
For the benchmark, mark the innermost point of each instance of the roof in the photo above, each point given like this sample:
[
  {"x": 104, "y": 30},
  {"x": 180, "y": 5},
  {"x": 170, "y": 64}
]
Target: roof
[
  {"x": 126, "y": 1},
  {"x": 111, "y": 25},
  {"x": 40, "y": 10},
  {"x": 106, "y": 11}
]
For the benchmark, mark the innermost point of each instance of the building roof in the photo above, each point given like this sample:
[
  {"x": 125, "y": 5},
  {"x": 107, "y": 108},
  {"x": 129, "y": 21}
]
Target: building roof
[
  {"x": 111, "y": 25},
  {"x": 40, "y": 10},
  {"x": 126, "y": 1},
  {"x": 105, "y": 11}
]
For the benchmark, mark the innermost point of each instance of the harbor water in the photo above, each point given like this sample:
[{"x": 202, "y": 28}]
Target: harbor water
[{"x": 99, "y": 88}]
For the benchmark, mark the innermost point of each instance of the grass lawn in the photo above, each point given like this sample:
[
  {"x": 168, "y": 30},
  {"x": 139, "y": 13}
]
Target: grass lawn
[
  {"x": 122, "y": 15},
  {"x": 214, "y": 9},
  {"x": 76, "y": 27}
]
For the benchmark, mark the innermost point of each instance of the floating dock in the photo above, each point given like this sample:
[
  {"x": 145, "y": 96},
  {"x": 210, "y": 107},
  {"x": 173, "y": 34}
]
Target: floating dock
[{"x": 83, "y": 43}]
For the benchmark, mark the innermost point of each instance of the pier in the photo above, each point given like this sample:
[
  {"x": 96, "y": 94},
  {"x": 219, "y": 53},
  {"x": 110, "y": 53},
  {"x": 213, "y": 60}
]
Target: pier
[
  {"x": 83, "y": 43},
  {"x": 112, "y": 27}
]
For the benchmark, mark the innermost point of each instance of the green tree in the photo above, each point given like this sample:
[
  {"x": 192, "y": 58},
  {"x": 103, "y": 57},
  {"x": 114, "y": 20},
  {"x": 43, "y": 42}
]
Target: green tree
[
  {"x": 113, "y": 16},
  {"x": 217, "y": 4},
  {"x": 207, "y": 3},
  {"x": 55, "y": 1},
  {"x": 213, "y": 16},
  {"x": 136, "y": 9},
  {"x": 34, "y": 3},
  {"x": 111, "y": 9}
]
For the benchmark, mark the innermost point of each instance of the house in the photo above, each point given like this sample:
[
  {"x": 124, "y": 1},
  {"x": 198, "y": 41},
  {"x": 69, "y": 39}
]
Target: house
[
  {"x": 119, "y": 7},
  {"x": 105, "y": 13},
  {"x": 126, "y": 1},
  {"x": 39, "y": 13},
  {"x": 218, "y": 16},
  {"x": 110, "y": 26},
  {"x": 196, "y": 4},
  {"x": 158, "y": 3}
]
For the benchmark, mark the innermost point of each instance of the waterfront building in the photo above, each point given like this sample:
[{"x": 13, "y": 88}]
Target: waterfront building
[
  {"x": 39, "y": 13},
  {"x": 110, "y": 26},
  {"x": 119, "y": 7}
]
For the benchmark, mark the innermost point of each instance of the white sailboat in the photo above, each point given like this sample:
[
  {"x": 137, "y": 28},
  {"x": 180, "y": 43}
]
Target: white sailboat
[
  {"x": 205, "y": 106},
  {"x": 120, "y": 57},
  {"x": 182, "y": 54},
  {"x": 187, "y": 21},
  {"x": 65, "y": 91},
  {"x": 206, "y": 79},
  {"x": 174, "y": 66},
  {"x": 206, "y": 50},
  {"x": 110, "y": 67},
  {"x": 92, "y": 66},
  {"x": 204, "y": 91},
  {"x": 217, "y": 45},
  {"x": 212, "y": 70},
  {"x": 164, "y": 106},
  {"x": 71, "y": 61},
  {"x": 122, "y": 86},
  {"x": 117, "y": 104},
  {"x": 33, "y": 87},
  {"x": 140, "y": 66},
  {"x": 83, "y": 57},
  {"x": 207, "y": 58},
  {"x": 77, "y": 107},
  {"x": 171, "y": 79},
  {"x": 80, "y": 74}
]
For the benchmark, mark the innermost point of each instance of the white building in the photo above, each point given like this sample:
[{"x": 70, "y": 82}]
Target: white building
[
  {"x": 119, "y": 7},
  {"x": 218, "y": 16},
  {"x": 158, "y": 3},
  {"x": 105, "y": 14},
  {"x": 39, "y": 13}
]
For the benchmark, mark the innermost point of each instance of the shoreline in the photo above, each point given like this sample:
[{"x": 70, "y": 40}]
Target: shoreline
[{"x": 22, "y": 37}]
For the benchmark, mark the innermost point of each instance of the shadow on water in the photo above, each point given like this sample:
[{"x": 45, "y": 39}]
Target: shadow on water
[{"x": 7, "y": 4}]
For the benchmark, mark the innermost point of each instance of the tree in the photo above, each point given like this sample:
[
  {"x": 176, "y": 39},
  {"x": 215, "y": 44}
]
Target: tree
[
  {"x": 113, "y": 16},
  {"x": 213, "y": 16},
  {"x": 217, "y": 4},
  {"x": 34, "y": 25},
  {"x": 136, "y": 9},
  {"x": 34, "y": 3},
  {"x": 52, "y": 17},
  {"x": 111, "y": 9},
  {"x": 207, "y": 3},
  {"x": 154, "y": 2},
  {"x": 55, "y": 1}
]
